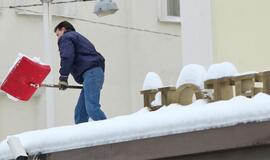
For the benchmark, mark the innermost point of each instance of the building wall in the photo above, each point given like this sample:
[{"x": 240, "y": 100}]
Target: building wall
[
  {"x": 151, "y": 52},
  {"x": 129, "y": 54},
  {"x": 196, "y": 20},
  {"x": 241, "y": 33}
]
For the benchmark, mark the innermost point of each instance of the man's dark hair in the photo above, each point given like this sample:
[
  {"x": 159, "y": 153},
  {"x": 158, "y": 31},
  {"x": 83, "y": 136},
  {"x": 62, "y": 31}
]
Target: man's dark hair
[{"x": 68, "y": 26}]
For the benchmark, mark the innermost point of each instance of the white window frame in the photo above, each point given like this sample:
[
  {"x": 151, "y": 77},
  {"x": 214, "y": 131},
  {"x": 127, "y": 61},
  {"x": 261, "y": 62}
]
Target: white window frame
[
  {"x": 1, "y": 5},
  {"x": 163, "y": 14}
]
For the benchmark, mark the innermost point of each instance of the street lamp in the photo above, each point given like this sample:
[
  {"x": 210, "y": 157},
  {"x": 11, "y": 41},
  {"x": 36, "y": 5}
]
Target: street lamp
[{"x": 105, "y": 7}]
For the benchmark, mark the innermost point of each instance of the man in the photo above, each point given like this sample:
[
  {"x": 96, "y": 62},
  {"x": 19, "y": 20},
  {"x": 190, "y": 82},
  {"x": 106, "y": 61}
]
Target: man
[{"x": 80, "y": 59}]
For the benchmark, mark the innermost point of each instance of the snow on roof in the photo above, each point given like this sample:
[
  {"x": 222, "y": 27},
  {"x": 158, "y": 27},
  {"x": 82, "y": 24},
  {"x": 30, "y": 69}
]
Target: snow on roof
[
  {"x": 219, "y": 70},
  {"x": 169, "y": 120},
  {"x": 152, "y": 81},
  {"x": 192, "y": 73}
]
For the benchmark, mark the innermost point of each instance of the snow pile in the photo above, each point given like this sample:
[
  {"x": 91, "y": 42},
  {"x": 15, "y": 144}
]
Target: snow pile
[
  {"x": 169, "y": 120},
  {"x": 192, "y": 73},
  {"x": 157, "y": 101},
  {"x": 246, "y": 73},
  {"x": 225, "y": 69},
  {"x": 153, "y": 81},
  {"x": 20, "y": 56}
]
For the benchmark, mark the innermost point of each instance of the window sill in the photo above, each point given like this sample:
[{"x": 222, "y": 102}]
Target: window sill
[{"x": 170, "y": 19}]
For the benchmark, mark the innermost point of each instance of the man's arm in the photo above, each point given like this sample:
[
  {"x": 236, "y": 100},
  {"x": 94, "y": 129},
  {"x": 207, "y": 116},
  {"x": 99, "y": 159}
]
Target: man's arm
[{"x": 67, "y": 54}]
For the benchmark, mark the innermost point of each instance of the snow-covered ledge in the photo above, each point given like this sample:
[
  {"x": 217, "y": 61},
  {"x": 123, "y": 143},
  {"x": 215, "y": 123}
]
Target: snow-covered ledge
[{"x": 171, "y": 120}]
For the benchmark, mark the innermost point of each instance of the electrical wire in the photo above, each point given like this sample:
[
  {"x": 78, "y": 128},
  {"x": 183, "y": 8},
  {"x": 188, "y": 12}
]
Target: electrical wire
[
  {"x": 30, "y": 11},
  {"x": 91, "y": 21},
  {"x": 61, "y": 2},
  {"x": 26, "y": 5},
  {"x": 40, "y": 4},
  {"x": 120, "y": 26}
]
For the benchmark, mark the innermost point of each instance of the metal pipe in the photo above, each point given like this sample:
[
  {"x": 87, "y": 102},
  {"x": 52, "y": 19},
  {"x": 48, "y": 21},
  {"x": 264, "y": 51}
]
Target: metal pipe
[
  {"x": 50, "y": 102},
  {"x": 57, "y": 86}
]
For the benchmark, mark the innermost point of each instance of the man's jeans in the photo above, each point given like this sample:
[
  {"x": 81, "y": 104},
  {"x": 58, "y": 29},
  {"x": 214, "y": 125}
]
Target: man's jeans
[{"x": 88, "y": 104}]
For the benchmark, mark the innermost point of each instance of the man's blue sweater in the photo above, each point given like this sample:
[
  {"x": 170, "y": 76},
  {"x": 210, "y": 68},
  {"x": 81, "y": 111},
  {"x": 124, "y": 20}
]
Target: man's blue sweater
[{"x": 77, "y": 54}]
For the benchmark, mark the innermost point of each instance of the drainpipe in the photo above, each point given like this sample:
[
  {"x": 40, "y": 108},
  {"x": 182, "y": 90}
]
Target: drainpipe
[{"x": 49, "y": 100}]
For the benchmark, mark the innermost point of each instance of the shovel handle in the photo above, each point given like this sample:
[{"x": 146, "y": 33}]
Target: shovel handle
[{"x": 57, "y": 86}]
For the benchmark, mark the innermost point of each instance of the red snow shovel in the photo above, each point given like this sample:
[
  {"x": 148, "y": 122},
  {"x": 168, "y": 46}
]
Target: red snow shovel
[{"x": 25, "y": 78}]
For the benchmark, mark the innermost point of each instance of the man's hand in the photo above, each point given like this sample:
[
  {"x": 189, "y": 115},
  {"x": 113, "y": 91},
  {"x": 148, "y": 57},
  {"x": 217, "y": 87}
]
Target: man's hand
[{"x": 63, "y": 83}]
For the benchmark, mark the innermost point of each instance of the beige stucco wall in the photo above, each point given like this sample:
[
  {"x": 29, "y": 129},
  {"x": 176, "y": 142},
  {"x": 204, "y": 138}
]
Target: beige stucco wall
[
  {"x": 129, "y": 54},
  {"x": 151, "y": 52},
  {"x": 241, "y": 33}
]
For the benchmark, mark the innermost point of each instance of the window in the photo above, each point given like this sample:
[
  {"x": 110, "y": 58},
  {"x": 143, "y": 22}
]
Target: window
[
  {"x": 169, "y": 11},
  {"x": 173, "y": 8}
]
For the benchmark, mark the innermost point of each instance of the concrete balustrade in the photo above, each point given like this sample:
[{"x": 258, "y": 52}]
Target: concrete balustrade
[{"x": 221, "y": 89}]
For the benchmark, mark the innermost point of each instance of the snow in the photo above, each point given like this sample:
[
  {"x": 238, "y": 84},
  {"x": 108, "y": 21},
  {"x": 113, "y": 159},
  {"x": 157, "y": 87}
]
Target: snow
[
  {"x": 246, "y": 73},
  {"x": 152, "y": 81},
  {"x": 12, "y": 98},
  {"x": 192, "y": 73},
  {"x": 219, "y": 70},
  {"x": 157, "y": 101},
  {"x": 173, "y": 119}
]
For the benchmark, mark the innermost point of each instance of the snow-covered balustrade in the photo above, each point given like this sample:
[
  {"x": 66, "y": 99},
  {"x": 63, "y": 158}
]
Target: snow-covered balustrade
[
  {"x": 182, "y": 95},
  {"x": 241, "y": 84},
  {"x": 149, "y": 96},
  {"x": 221, "y": 82},
  {"x": 245, "y": 85},
  {"x": 151, "y": 84},
  {"x": 189, "y": 83},
  {"x": 222, "y": 88},
  {"x": 264, "y": 78}
]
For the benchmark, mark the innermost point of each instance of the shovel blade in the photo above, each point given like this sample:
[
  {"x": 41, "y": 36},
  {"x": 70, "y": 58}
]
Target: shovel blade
[{"x": 23, "y": 77}]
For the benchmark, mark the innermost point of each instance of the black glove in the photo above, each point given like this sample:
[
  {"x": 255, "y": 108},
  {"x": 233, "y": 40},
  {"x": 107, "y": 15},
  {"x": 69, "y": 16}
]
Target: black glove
[{"x": 63, "y": 83}]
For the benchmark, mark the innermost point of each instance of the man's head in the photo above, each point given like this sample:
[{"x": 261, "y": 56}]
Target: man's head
[{"x": 62, "y": 27}]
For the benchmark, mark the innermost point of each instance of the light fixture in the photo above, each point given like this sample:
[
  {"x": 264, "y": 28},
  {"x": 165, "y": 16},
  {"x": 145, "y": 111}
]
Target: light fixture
[{"x": 105, "y": 7}]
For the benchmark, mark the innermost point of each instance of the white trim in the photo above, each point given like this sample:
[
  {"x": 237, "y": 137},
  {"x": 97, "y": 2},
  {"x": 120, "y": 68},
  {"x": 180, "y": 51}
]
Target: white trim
[
  {"x": 197, "y": 40},
  {"x": 1, "y": 5},
  {"x": 170, "y": 19},
  {"x": 163, "y": 16},
  {"x": 49, "y": 93}
]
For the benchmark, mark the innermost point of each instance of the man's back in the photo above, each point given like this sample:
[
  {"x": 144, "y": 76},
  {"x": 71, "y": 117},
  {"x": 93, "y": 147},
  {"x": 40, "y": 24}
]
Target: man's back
[{"x": 78, "y": 54}]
